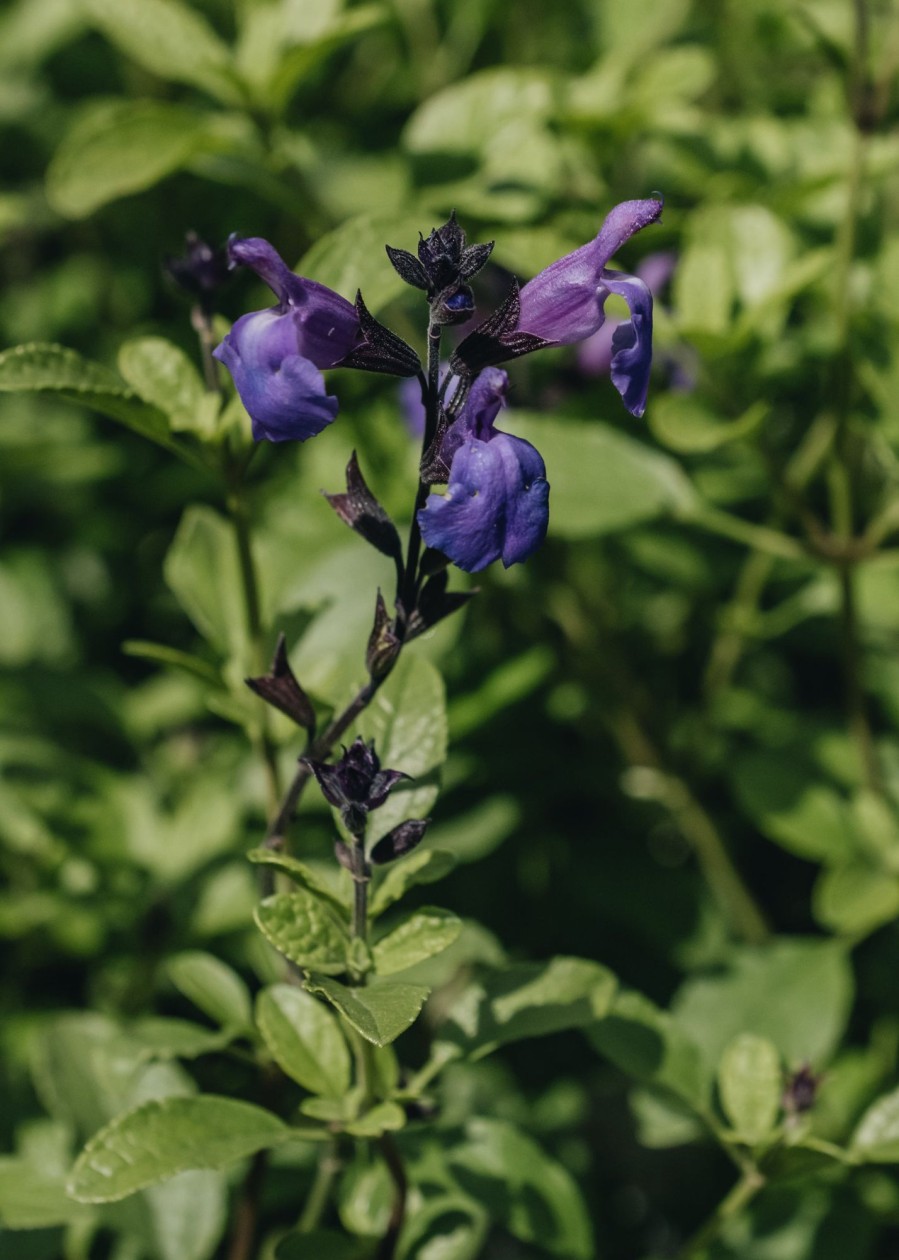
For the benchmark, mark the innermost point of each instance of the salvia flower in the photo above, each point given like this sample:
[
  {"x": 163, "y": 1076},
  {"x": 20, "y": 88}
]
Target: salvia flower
[
  {"x": 276, "y": 356},
  {"x": 496, "y": 504},
  {"x": 356, "y": 783},
  {"x": 565, "y": 304}
]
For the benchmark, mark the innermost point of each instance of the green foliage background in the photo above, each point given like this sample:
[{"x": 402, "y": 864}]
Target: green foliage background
[{"x": 671, "y": 735}]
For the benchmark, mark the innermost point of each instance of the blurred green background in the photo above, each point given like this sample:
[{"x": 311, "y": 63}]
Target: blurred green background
[{"x": 697, "y": 674}]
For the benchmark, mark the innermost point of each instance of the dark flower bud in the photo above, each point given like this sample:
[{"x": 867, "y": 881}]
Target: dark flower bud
[
  {"x": 400, "y": 841},
  {"x": 801, "y": 1091},
  {"x": 201, "y": 270},
  {"x": 359, "y": 509},
  {"x": 383, "y": 643},
  {"x": 356, "y": 783},
  {"x": 443, "y": 265},
  {"x": 453, "y": 305},
  {"x": 280, "y": 688}
]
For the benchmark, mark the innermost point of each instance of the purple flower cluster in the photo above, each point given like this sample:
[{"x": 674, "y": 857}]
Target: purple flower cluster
[{"x": 496, "y": 504}]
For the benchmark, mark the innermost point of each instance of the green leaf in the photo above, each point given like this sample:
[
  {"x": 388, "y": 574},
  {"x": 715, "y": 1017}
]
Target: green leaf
[
  {"x": 121, "y": 148},
  {"x": 646, "y": 1043},
  {"x": 529, "y": 1000},
  {"x": 212, "y": 986},
  {"x": 305, "y": 931},
  {"x": 682, "y": 423},
  {"x": 161, "y": 1138},
  {"x": 602, "y": 480},
  {"x": 304, "y": 1039},
  {"x": 421, "y": 935},
  {"x": 170, "y": 40},
  {"x": 750, "y": 1084},
  {"x": 795, "y": 992},
  {"x": 386, "y": 1117},
  {"x": 161, "y": 654},
  {"x": 855, "y": 899},
  {"x": 162, "y": 1038},
  {"x": 31, "y": 1198},
  {"x": 163, "y": 375},
  {"x": 380, "y": 1012},
  {"x": 424, "y": 866},
  {"x": 54, "y": 369},
  {"x": 876, "y": 1140},
  {"x": 530, "y": 1194},
  {"x": 352, "y": 256},
  {"x": 448, "y": 1227},
  {"x": 808, "y": 818},
  {"x": 300, "y": 873},
  {"x": 470, "y": 116},
  {"x": 201, "y": 568},
  {"x": 407, "y": 721}
]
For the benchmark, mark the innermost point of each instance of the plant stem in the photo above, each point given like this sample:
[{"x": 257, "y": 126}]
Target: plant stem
[
  {"x": 409, "y": 587},
  {"x": 759, "y": 537},
  {"x": 853, "y": 681},
  {"x": 250, "y": 589},
  {"x": 247, "y": 1211},
  {"x": 734, "y": 1202},
  {"x": 325, "y": 1173},
  {"x": 394, "y": 1162},
  {"x": 697, "y": 827}
]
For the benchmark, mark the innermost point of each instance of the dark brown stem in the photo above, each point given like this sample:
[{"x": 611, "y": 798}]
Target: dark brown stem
[
  {"x": 394, "y": 1161},
  {"x": 246, "y": 1213}
]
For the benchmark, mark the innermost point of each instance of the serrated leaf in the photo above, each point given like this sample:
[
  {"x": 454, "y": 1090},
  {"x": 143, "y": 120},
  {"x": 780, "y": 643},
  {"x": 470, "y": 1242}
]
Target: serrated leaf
[
  {"x": 876, "y": 1140},
  {"x": 529, "y": 1000},
  {"x": 43, "y": 368},
  {"x": 162, "y": 375},
  {"x": 421, "y": 935},
  {"x": 300, "y": 873},
  {"x": 213, "y": 987},
  {"x": 305, "y": 931},
  {"x": 170, "y": 40},
  {"x": 161, "y": 1138},
  {"x": 750, "y": 1084},
  {"x": 119, "y": 149},
  {"x": 424, "y": 866},
  {"x": 305, "y": 1039},
  {"x": 380, "y": 1012}
]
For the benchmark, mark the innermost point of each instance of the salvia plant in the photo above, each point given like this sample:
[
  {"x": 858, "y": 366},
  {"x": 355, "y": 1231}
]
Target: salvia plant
[{"x": 241, "y": 1026}]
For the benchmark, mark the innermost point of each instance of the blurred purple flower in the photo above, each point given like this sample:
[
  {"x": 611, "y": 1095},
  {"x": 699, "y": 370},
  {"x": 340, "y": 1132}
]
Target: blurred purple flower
[
  {"x": 565, "y": 302},
  {"x": 275, "y": 355},
  {"x": 497, "y": 501}
]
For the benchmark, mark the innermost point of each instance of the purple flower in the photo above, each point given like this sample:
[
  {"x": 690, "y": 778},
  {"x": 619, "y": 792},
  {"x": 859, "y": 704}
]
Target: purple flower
[
  {"x": 275, "y": 355},
  {"x": 497, "y": 501},
  {"x": 565, "y": 303}
]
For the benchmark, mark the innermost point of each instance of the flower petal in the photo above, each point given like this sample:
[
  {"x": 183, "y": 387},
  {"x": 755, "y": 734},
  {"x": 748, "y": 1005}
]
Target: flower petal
[
  {"x": 564, "y": 302},
  {"x": 632, "y": 341},
  {"x": 496, "y": 504}
]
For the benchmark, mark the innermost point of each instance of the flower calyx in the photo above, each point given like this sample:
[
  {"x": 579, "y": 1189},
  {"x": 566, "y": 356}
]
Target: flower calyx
[
  {"x": 280, "y": 688},
  {"x": 444, "y": 265},
  {"x": 359, "y": 509},
  {"x": 355, "y": 784},
  {"x": 380, "y": 350}
]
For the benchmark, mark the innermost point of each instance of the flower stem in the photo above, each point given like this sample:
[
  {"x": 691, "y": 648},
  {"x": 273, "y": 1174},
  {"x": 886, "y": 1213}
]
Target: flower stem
[
  {"x": 430, "y": 396},
  {"x": 325, "y": 1174}
]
